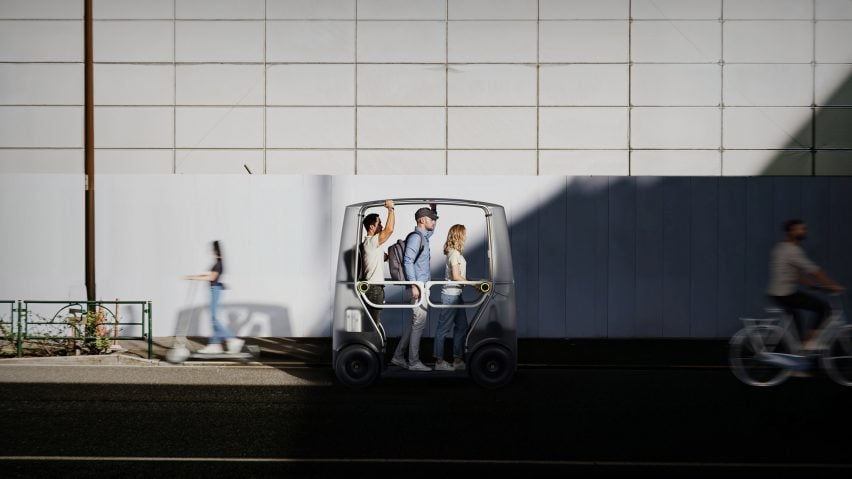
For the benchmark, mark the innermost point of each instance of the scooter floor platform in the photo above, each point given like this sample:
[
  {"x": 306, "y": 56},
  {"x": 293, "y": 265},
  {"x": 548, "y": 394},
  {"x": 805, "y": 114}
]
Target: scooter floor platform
[{"x": 252, "y": 353}]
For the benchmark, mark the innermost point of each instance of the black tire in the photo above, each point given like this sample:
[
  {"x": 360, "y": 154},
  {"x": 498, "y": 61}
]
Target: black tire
[
  {"x": 492, "y": 366},
  {"x": 357, "y": 366},
  {"x": 837, "y": 360},
  {"x": 743, "y": 356}
]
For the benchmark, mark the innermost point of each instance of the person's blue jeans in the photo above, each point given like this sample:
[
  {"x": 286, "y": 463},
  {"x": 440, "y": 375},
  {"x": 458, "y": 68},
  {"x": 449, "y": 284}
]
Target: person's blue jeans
[
  {"x": 221, "y": 332},
  {"x": 454, "y": 318}
]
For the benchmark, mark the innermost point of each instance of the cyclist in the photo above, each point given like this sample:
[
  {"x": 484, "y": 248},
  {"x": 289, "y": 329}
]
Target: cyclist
[{"x": 790, "y": 265}]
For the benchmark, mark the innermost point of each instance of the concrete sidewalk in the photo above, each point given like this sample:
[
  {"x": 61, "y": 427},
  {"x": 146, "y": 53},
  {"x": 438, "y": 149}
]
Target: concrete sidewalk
[{"x": 532, "y": 353}]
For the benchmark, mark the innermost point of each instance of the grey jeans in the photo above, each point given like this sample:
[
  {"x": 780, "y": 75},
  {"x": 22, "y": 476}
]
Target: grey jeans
[{"x": 411, "y": 335}]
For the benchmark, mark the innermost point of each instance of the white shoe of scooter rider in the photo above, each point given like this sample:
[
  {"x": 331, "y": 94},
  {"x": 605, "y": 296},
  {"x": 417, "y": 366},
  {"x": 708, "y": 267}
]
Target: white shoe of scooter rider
[
  {"x": 211, "y": 349},
  {"x": 235, "y": 345}
]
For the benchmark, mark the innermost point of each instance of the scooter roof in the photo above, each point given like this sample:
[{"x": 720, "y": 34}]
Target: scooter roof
[{"x": 417, "y": 201}]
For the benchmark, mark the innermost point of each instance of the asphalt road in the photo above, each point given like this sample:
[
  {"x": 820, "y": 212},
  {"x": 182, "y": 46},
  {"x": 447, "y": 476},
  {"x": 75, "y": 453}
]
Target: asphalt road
[{"x": 127, "y": 421}]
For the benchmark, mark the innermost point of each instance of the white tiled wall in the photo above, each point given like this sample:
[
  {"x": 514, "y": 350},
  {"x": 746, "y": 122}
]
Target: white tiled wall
[
  {"x": 41, "y": 84},
  {"x": 492, "y": 128},
  {"x": 549, "y": 87},
  {"x": 401, "y": 127},
  {"x": 41, "y": 41},
  {"x": 310, "y": 127},
  {"x": 685, "y": 84},
  {"x": 583, "y": 41},
  {"x": 657, "y": 127},
  {"x": 133, "y": 41},
  {"x": 220, "y": 84},
  {"x": 584, "y": 85},
  {"x": 126, "y": 84},
  {"x": 134, "y": 127},
  {"x": 769, "y": 41},
  {"x": 676, "y": 163},
  {"x": 401, "y": 85},
  {"x": 583, "y": 127},
  {"x": 676, "y": 41},
  {"x": 222, "y": 41},
  {"x": 766, "y": 127}
]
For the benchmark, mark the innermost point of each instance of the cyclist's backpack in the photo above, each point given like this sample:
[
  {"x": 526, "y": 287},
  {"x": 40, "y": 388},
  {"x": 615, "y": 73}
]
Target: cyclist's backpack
[{"x": 396, "y": 254}]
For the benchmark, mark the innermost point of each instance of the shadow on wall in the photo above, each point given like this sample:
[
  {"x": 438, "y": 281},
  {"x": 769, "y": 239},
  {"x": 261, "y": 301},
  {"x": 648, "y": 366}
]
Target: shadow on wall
[
  {"x": 625, "y": 257},
  {"x": 674, "y": 257},
  {"x": 244, "y": 319}
]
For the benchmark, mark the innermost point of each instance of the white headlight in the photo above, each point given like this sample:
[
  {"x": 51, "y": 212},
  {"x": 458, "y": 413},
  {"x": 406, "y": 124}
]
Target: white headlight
[{"x": 353, "y": 320}]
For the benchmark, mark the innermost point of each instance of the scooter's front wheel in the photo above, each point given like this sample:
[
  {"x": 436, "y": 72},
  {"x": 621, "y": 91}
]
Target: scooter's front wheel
[
  {"x": 746, "y": 348},
  {"x": 837, "y": 359},
  {"x": 177, "y": 354},
  {"x": 357, "y": 366}
]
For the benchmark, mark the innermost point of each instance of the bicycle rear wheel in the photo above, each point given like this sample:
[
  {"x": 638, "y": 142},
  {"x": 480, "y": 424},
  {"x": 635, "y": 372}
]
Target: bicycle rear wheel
[
  {"x": 744, "y": 350},
  {"x": 837, "y": 360}
]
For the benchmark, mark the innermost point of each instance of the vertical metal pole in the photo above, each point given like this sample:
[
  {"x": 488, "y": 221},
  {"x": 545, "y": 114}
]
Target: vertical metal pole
[
  {"x": 89, "y": 143},
  {"x": 150, "y": 334},
  {"x": 115, "y": 326},
  {"x": 20, "y": 332}
]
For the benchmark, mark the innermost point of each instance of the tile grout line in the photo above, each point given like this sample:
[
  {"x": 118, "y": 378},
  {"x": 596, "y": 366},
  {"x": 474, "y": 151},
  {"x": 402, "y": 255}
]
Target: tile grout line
[
  {"x": 538, "y": 89},
  {"x": 355, "y": 100},
  {"x": 447, "y": 87},
  {"x": 265, "y": 83},
  {"x": 722, "y": 89},
  {"x": 813, "y": 91},
  {"x": 174, "y": 77},
  {"x": 630, "y": 88}
]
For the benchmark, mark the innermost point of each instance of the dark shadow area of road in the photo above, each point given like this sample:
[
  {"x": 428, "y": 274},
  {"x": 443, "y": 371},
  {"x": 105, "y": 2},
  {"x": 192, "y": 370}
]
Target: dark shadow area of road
[
  {"x": 413, "y": 470},
  {"x": 295, "y": 353},
  {"x": 625, "y": 422}
]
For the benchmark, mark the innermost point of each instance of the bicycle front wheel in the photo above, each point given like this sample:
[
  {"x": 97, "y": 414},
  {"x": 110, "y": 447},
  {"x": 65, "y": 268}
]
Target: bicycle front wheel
[
  {"x": 745, "y": 348},
  {"x": 837, "y": 360}
]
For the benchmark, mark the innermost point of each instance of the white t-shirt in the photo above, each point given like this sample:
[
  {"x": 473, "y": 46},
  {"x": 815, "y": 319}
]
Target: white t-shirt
[
  {"x": 454, "y": 257},
  {"x": 373, "y": 259}
]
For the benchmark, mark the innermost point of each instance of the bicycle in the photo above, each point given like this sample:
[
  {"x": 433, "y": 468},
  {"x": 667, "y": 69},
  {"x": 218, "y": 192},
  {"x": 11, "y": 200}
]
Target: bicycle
[{"x": 766, "y": 352}]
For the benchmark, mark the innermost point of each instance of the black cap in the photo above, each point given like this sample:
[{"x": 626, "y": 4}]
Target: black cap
[{"x": 425, "y": 212}]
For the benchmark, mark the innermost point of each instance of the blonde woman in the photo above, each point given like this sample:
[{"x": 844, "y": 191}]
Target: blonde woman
[{"x": 451, "y": 294}]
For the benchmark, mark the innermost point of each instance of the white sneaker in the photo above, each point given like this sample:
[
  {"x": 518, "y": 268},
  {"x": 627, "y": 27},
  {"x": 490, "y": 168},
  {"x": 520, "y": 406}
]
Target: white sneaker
[
  {"x": 444, "y": 366},
  {"x": 399, "y": 362},
  {"x": 458, "y": 365},
  {"x": 235, "y": 345},
  {"x": 211, "y": 349},
  {"x": 418, "y": 366}
]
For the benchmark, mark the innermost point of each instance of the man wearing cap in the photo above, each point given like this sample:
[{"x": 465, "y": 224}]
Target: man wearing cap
[{"x": 416, "y": 266}]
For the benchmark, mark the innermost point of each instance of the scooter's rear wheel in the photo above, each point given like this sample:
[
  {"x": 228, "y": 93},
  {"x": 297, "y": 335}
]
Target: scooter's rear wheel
[{"x": 492, "y": 366}]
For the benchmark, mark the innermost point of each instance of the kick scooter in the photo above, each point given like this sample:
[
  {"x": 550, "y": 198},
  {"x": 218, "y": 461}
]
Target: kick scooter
[{"x": 180, "y": 352}]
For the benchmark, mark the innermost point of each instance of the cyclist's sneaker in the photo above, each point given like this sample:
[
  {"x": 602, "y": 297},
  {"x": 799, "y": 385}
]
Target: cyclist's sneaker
[
  {"x": 458, "y": 365},
  {"x": 399, "y": 362},
  {"x": 444, "y": 366}
]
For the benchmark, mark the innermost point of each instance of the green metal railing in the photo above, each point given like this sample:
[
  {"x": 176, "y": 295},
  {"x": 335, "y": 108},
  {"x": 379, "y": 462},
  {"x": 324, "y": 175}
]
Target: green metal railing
[
  {"x": 68, "y": 323},
  {"x": 7, "y": 323}
]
